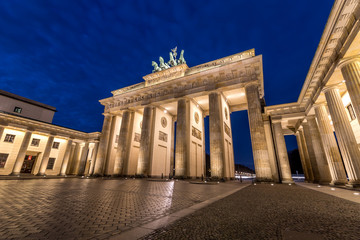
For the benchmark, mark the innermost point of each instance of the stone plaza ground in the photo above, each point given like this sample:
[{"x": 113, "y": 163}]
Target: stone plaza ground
[{"x": 111, "y": 209}]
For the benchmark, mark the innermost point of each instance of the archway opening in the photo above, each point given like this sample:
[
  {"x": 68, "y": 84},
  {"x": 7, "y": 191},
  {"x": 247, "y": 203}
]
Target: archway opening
[{"x": 294, "y": 156}]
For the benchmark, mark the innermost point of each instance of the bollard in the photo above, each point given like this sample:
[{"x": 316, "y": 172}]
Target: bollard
[
  {"x": 162, "y": 176},
  {"x": 202, "y": 177}
]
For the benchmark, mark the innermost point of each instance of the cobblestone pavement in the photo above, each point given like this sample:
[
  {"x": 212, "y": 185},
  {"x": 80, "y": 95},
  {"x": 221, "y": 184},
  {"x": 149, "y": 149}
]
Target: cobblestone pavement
[
  {"x": 92, "y": 208},
  {"x": 269, "y": 212}
]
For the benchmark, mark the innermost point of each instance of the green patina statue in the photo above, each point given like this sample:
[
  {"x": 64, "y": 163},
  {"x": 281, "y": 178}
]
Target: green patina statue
[
  {"x": 172, "y": 62},
  {"x": 156, "y": 67}
]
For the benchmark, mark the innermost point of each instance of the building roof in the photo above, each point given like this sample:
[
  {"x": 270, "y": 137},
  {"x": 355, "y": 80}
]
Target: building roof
[{"x": 17, "y": 97}]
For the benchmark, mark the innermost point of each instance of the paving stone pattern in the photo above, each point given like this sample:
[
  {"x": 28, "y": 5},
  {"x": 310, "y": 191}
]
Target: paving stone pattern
[
  {"x": 91, "y": 208},
  {"x": 269, "y": 212}
]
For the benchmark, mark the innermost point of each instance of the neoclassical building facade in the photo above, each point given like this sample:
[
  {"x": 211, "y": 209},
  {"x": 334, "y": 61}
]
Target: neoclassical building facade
[
  {"x": 325, "y": 119},
  {"x": 139, "y": 133},
  {"x": 156, "y": 128},
  {"x": 31, "y": 144}
]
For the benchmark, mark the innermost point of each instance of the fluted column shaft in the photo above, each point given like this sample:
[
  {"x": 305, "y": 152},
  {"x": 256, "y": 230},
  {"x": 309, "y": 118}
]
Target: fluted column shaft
[
  {"x": 257, "y": 133},
  {"x": 322, "y": 164},
  {"x": 182, "y": 138},
  {"x": 283, "y": 159},
  {"x": 143, "y": 167},
  {"x": 93, "y": 158},
  {"x": 1, "y": 131},
  {"x": 331, "y": 149},
  {"x": 351, "y": 73},
  {"x": 46, "y": 155},
  {"x": 271, "y": 150},
  {"x": 306, "y": 156},
  {"x": 172, "y": 153},
  {"x": 311, "y": 152},
  {"x": 66, "y": 158},
  {"x": 21, "y": 154},
  {"x": 83, "y": 158},
  {"x": 345, "y": 135},
  {"x": 103, "y": 145},
  {"x": 124, "y": 143},
  {"x": 302, "y": 155},
  {"x": 217, "y": 150}
]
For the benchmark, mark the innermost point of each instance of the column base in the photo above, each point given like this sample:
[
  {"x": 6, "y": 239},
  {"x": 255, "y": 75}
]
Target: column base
[
  {"x": 41, "y": 174},
  {"x": 338, "y": 182},
  {"x": 353, "y": 184},
  {"x": 14, "y": 174},
  {"x": 287, "y": 181},
  {"x": 324, "y": 182},
  {"x": 97, "y": 175},
  {"x": 265, "y": 180}
]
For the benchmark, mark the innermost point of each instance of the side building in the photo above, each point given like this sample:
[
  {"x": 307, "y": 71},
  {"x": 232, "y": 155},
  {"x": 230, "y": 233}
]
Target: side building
[
  {"x": 31, "y": 144},
  {"x": 326, "y": 117}
]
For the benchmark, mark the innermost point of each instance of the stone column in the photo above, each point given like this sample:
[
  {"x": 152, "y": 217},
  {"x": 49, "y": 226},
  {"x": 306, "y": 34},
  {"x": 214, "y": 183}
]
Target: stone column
[
  {"x": 311, "y": 153},
  {"x": 217, "y": 150},
  {"x": 345, "y": 135},
  {"x": 83, "y": 158},
  {"x": 182, "y": 139},
  {"x": 104, "y": 141},
  {"x": 306, "y": 156},
  {"x": 322, "y": 164},
  {"x": 302, "y": 155},
  {"x": 172, "y": 154},
  {"x": 66, "y": 158},
  {"x": 350, "y": 69},
  {"x": 257, "y": 132},
  {"x": 283, "y": 159},
  {"x": 46, "y": 155},
  {"x": 21, "y": 154},
  {"x": 143, "y": 167},
  {"x": 271, "y": 150},
  {"x": 124, "y": 142},
  {"x": 93, "y": 158},
  {"x": 1, "y": 131},
  {"x": 331, "y": 149}
]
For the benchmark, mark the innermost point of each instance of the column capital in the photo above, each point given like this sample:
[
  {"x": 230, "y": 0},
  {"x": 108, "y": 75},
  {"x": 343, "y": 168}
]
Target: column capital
[
  {"x": 276, "y": 119},
  {"x": 107, "y": 114},
  {"x": 300, "y": 128},
  {"x": 309, "y": 117},
  {"x": 251, "y": 83},
  {"x": 331, "y": 87},
  {"x": 346, "y": 61},
  {"x": 319, "y": 104}
]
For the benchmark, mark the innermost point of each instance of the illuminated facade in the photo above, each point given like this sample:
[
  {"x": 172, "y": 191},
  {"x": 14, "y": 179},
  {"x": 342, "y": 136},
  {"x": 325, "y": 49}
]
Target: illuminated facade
[
  {"x": 138, "y": 136},
  {"x": 329, "y": 103},
  {"x": 29, "y": 143}
]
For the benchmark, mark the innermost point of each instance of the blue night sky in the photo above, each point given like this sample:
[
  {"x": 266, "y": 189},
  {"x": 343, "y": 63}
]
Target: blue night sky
[{"x": 69, "y": 54}]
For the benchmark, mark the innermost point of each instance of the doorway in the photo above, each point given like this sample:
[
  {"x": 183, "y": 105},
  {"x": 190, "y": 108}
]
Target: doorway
[{"x": 28, "y": 164}]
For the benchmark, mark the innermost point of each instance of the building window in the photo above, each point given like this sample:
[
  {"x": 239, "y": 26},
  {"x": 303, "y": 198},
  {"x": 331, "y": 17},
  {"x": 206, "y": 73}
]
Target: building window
[
  {"x": 50, "y": 163},
  {"x": 56, "y": 145},
  {"x": 35, "y": 142},
  {"x": 17, "y": 109},
  {"x": 9, "y": 138},
  {"x": 351, "y": 111},
  {"x": 3, "y": 158}
]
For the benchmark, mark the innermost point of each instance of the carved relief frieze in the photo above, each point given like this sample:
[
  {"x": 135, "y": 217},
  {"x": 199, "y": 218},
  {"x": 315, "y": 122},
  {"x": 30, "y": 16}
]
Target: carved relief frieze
[
  {"x": 163, "y": 136},
  {"x": 251, "y": 71},
  {"x": 196, "y": 133},
  {"x": 137, "y": 137},
  {"x": 227, "y": 129}
]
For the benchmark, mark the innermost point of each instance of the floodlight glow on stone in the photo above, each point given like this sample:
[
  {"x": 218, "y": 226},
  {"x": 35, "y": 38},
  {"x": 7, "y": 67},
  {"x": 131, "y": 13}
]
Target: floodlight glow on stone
[{"x": 333, "y": 189}]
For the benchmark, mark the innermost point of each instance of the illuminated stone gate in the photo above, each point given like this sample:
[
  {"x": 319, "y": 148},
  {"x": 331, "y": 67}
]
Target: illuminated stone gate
[{"x": 138, "y": 135}]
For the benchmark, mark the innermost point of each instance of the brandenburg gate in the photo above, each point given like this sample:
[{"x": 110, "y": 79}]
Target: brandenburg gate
[{"x": 139, "y": 135}]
